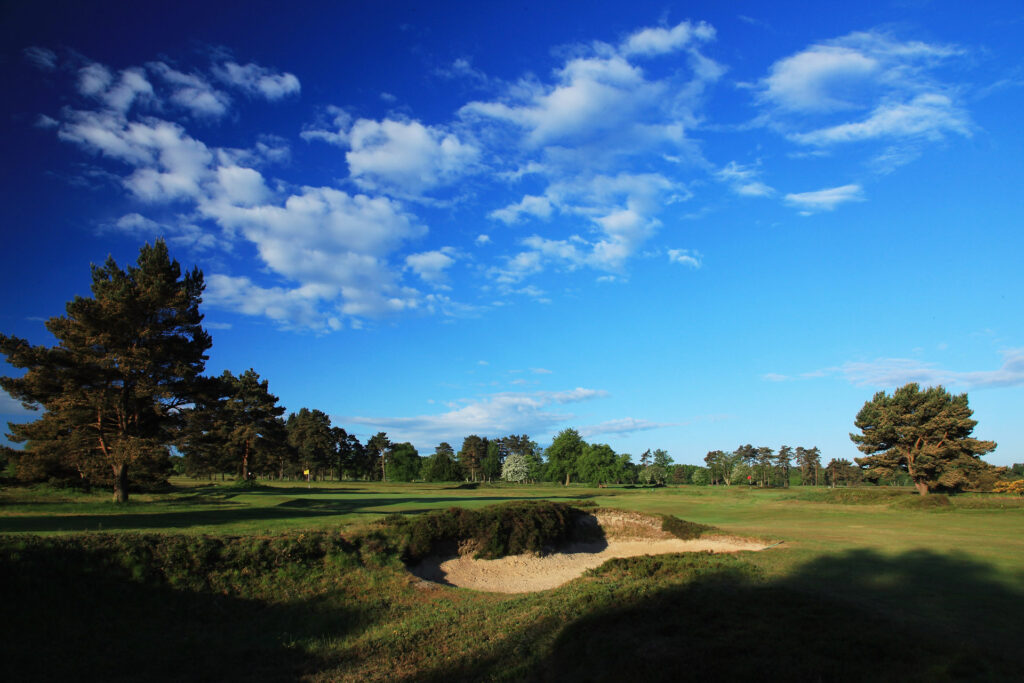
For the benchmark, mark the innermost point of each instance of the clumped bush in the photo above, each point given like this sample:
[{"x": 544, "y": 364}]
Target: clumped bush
[
  {"x": 1016, "y": 487},
  {"x": 682, "y": 529},
  {"x": 491, "y": 532}
]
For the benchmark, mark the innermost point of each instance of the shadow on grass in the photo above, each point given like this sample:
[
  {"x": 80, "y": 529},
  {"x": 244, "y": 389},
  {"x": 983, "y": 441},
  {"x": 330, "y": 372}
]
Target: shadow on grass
[
  {"x": 70, "y": 626},
  {"x": 858, "y": 616},
  {"x": 233, "y": 513}
]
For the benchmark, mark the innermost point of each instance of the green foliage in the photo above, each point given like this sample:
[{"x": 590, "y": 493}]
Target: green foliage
[
  {"x": 474, "y": 449},
  {"x": 563, "y": 455},
  {"x": 403, "y": 462},
  {"x": 926, "y": 434},
  {"x": 313, "y": 439},
  {"x": 598, "y": 464},
  {"x": 492, "y": 532},
  {"x": 441, "y": 466},
  {"x": 207, "y": 563},
  {"x": 653, "y": 475}
]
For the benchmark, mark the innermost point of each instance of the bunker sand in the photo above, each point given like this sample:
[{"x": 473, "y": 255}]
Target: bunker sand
[{"x": 628, "y": 535}]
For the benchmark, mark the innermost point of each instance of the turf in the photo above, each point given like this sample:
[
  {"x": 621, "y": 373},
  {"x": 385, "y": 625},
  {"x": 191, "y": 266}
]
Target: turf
[{"x": 866, "y": 585}]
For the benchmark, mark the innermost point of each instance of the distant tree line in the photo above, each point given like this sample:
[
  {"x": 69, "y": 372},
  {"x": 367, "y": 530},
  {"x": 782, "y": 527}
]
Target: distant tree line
[{"x": 124, "y": 389}]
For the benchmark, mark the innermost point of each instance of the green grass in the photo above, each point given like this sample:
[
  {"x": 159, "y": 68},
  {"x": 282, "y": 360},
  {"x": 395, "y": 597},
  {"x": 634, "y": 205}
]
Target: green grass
[{"x": 288, "y": 582}]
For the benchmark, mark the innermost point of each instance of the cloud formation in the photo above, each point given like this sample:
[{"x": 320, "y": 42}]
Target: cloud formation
[
  {"x": 861, "y": 87},
  {"x": 494, "y": 415}
]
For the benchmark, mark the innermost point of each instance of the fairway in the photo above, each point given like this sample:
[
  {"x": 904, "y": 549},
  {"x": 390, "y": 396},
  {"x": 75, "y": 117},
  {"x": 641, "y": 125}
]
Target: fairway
[{"x": 951, "y": 575}]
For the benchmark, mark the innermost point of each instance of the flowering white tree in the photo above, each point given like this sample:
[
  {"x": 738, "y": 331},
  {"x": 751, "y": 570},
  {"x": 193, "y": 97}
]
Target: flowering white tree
[{"x": 515, "y": 468}]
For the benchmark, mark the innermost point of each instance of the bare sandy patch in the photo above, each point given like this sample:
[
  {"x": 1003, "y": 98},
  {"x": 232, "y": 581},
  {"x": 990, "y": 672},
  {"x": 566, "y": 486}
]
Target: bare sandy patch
[{"x": 628, "y": 535}]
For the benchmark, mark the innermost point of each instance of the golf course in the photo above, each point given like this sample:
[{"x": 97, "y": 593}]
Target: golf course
[{"x": 216, "y": 581}]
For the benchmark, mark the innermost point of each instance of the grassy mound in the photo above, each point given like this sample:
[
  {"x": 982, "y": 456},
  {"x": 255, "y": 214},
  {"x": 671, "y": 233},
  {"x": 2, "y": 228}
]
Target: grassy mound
[{"x": 491, "y": 532}]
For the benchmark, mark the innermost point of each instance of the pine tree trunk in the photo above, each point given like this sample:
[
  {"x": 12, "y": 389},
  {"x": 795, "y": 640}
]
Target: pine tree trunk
[
  {"x": 567, "y": 475},
  {"x": 922, "y": 487},
  {"x": 121, "y": 483}
]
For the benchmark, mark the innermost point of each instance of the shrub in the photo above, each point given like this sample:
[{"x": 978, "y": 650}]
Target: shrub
[
  {"x": 682, "y": 529},
  {"x": 491, "y": 532},
  {"x": 1016, "y": 487}
]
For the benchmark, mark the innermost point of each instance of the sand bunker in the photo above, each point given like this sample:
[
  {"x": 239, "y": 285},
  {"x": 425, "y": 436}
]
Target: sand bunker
[{"x": 628, "y": 535}]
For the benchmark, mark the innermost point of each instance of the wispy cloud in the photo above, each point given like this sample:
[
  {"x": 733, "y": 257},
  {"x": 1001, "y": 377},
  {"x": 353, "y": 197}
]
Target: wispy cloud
[
  {"x": 867, "y": 86},
  {"x": 826, "y": 199},
  {"x": 685, "y": 257},
  {"x": 622, "y": 426},
  {"x": 494, "y": 415},
  {"x": 895, "y": 372}
]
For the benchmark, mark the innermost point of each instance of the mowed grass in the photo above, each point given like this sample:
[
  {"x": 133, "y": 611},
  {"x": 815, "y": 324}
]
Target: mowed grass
[{"x": 864, "y": 586}]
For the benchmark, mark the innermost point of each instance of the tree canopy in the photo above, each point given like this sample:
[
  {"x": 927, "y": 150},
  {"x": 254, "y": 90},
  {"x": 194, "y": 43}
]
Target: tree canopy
[
  {"x": 926, "y": 434},
  {"x": 563, "y": 454},
  {"x": 124, "y": 369}
]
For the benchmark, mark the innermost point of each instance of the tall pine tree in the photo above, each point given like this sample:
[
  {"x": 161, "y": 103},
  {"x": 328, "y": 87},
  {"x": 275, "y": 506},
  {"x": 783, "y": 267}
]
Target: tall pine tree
[{"x": 123, "y": 371}]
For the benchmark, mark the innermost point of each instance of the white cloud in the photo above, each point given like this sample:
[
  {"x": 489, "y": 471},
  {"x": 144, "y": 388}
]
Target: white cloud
[
  {"x": 192, "y": 92},
  {"x": 240, "y": 186},
  {"x": 620, "y": 210},
  {"x": 41, "y": 57},
  {"x": 97, "y": 81},
  {"x": 169, "y": 163},
  {"x": 493, "y": 415},
  {"x": 290, "y": 308},
  {"x": 44, "y": 121},
  {"x": 258, "y": 80},
  {"x": 431, "y": 265},
  {"x": 685, "y": 257},
  {"x": 340, "y": 122},
  {"x": 133, "y": 222},
  {"x": 744, "y": 180},
  {"x": 540, "y": 371},
  {"x": 406, "y": 156},
  {"x": 927, "y": 116},
  {"x": 821, "y": 78},
  {"x": 529, "y": 205},
  {"x": 826, "y": 199},
  {"x": 863, "y": 86},
  {"x": 333, "y": 242},
  {"x": 657, "y": 41},
  {"x": 482, "y": 240}
]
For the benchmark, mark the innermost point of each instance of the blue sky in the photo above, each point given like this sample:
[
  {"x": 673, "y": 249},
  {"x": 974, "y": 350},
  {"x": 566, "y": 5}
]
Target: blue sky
[{"x": 666, "y": 225}]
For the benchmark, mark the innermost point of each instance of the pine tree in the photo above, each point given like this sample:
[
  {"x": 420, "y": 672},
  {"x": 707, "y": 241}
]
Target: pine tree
[
  {"x": 251, "y": 421},
  {"x": 116, "y": 386},
  {"x": 926, "y": 434}
]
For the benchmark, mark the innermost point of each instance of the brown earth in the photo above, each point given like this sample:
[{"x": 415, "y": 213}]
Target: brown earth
[{"x": 628, "y": 535}]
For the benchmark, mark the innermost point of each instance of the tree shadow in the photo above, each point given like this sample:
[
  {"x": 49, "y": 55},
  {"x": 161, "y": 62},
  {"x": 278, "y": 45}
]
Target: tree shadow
[
  {"x": 856, "y": 616},
  {"x": 232, "y": 513},
  {"x": 78, "y": 626}
]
